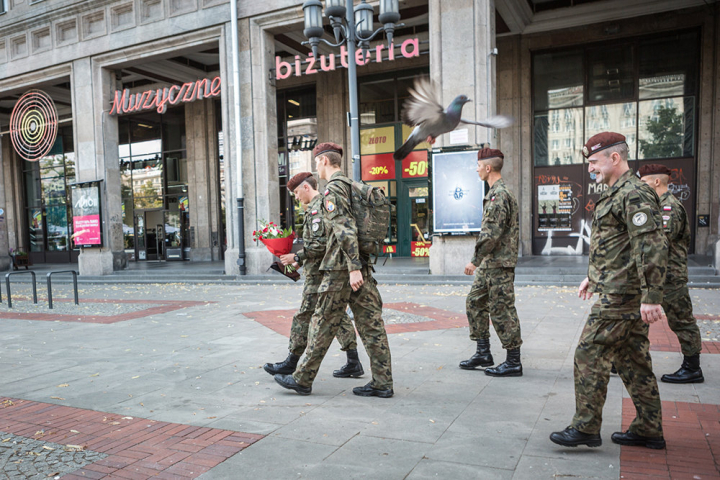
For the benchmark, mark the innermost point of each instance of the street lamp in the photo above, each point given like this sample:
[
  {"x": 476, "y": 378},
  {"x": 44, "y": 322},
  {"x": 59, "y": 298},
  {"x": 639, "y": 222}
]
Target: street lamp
[{"x": 357, "y": 31}]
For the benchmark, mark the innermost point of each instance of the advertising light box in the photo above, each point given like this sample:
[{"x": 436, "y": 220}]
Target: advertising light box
[
  {"x": 457, "y": 193},
  {"x": 87, "y": 214}
]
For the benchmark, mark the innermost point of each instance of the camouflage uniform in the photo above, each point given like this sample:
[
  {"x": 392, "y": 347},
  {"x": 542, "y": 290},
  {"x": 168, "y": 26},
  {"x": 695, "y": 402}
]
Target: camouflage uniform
[
  {"x": 628, "y": 258},
  {"x": 314, "y": 242},
  {"x": 492, "y": 295},
  {"x": 676, "y": 298},
  {"x": 341, "y": 257}
]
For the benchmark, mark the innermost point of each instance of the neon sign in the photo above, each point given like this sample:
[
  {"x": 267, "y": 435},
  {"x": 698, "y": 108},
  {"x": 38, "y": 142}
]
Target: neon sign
[
  {"x": 408, "y": 49},
  {"x": 126, "y": 102}
]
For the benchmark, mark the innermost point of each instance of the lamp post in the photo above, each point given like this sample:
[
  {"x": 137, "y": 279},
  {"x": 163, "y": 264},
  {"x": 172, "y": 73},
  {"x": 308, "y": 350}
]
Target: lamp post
[{"x": 356, "y": 31}]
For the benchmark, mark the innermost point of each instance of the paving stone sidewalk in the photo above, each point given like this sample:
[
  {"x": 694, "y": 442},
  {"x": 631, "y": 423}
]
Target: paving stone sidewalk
[{"x": 192, "y": 355}]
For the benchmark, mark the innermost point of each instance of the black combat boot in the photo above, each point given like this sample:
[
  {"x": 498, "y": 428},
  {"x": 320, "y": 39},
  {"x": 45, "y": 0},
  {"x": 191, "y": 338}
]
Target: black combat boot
[
  {"x": 287, "y": 381},
  {"x": 370, "y": 391},
  {"x": 570, "y": 437},
  {"x": 511, "y": 367},
  {"x": 286, "y": 367},
  {"x": 635, "y": 440},
  {"x": 482, "y": 357},
  {"x": 352, "y": 368},
  {"x": 689, "y": 372}
]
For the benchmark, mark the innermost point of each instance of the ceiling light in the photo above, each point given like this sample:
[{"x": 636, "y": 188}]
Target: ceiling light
[{"x": 294, "y": 102}]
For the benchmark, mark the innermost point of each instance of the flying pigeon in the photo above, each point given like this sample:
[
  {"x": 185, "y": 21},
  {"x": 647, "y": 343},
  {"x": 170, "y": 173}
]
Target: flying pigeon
[{"x": 424, "y": 112}]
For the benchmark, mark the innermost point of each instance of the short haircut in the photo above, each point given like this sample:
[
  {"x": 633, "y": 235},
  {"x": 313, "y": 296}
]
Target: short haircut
[
  {"x": 312, "y": 181},
  {"x": 620, "y": 148},
  {"x": 334, "y": 158},
  {"x": 496, "y": 163},
  {"x": 664, "y": 179}
]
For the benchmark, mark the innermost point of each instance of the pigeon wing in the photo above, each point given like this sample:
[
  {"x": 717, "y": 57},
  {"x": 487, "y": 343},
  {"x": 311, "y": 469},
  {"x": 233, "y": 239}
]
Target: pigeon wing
[
  {"x": 423, "y": 104},
  {"x": 496, "y": 121}
]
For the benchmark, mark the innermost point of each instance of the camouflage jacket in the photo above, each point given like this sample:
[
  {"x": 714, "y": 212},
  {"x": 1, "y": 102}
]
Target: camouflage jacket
[
  {"x": 497, "y": 245},
  {"x": 342, "y": 251},
  {"x": 677, "y": 231},
  {"x": 628, "y": 250},
  {"x": 314, "y": 243}
]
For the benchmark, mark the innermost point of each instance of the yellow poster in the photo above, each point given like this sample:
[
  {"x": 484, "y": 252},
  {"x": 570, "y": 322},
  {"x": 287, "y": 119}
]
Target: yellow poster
[
  {"x": 377, "y": 140},
  {"x": 407, "y": 130}
]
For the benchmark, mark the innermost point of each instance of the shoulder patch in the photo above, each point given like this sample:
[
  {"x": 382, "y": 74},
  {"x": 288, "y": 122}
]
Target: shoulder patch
[
  {"x": 329, "y": 206},
  {"x": 639, "y": 219},
  {"x": 327, "y": 192},
  {"x": 667, "y": 208}
]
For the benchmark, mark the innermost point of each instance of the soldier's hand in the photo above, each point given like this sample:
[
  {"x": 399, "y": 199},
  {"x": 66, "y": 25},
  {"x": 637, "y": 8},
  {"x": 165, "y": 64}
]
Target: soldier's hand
[
  {"x": 583, "y": 290},
  {"x": 288, "y": 259},
  {"x": 296, "y": 265},
  {"x": 470, "y": 269},
  {"x": 356, "y": 280},
  {"x": 651, "y": 312}
]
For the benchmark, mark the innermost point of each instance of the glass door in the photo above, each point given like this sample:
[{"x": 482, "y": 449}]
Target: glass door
[
  {"x": 140, "y": 241},
  {"x": 414, "y": 221}
]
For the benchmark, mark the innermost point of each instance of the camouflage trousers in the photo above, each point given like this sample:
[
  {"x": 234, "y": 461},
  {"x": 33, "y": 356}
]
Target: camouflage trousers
[
  {"x": 492, "y": 297},
  {"x": 301, "y": 325},
  {"x": 615, "y": 333},
  {"x": 366, "y": 305},
  {"x": 678, "y": 308}
]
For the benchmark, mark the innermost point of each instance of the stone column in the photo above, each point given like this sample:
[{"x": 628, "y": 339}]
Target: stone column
[
  {"x": 259, "y": 143},
  {"x": 462, "y": 36},
  {"x": 96, "y": 147},
  {"x": 202, "y": 192}
]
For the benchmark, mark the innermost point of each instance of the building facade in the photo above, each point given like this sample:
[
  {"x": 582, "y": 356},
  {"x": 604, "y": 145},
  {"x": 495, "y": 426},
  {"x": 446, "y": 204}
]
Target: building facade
[{"x": 143, "y": 93}]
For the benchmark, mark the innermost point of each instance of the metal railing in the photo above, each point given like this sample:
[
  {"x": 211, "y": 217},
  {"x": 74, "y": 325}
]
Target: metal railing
[
  {"x": 7, "y": 285},
  {"x": 49, "y": 286}
]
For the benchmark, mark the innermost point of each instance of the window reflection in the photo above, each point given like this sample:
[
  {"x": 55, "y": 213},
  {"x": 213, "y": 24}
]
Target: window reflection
[
  {"x": 618, "y": 117},
  {"x": 666, "y": 128},
  {"x": 559, "y": 137}
]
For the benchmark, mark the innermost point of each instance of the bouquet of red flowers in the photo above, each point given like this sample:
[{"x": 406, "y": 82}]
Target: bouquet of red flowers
[{"x": 279, "y": 242}]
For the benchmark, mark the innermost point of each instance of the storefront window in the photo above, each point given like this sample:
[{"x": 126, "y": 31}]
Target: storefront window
[
  {"x": 611, "y": 73},
  {"x": 666, "y": 128},
  {"x": 617, "y": 117},
  {"x": 558, "y": 80},
  {"x": 377, "y": 103},
  {"x": 559, "y": 137},
  {"x": 644, "y": 88},
  {"x": 297, "y": 136},
  {"x": 153, "y": 176},
  {"x": 46, "y": 195}
]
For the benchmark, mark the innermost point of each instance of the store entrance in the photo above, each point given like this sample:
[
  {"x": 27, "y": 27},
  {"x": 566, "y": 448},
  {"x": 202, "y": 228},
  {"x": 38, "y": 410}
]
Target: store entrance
[
  {"x": 413, "y": 224},
  {"x": 161, "y": 235}
]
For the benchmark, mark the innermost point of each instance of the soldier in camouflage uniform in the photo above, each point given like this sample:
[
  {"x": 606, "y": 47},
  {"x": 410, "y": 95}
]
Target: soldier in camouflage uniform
[
  {"x": 304, "y": 186},
  {"x": 347, "y": 279},
  {"x": 676, "y": 298},
  {"x": 628, "y": 259},
  {"x": 492, "y": 295}
]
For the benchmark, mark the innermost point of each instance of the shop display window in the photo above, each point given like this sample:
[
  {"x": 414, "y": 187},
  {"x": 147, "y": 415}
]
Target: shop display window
[
  {"x": 48, "y": 212},
  {"x": 644, "y": 88}
]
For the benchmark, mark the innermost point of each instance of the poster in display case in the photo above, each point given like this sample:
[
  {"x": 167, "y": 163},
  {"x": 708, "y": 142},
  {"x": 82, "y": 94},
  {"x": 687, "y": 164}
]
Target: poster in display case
[
  {"x": 457, "y": 192},
  {"x": 87, "y": 214}
]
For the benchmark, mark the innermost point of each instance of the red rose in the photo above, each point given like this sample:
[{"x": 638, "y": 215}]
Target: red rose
[{"x": 265, "y": 230}]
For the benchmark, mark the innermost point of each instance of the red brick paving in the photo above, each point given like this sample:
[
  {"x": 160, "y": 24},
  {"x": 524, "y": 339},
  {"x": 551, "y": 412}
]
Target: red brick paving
[
  {"x": 137, "y": 448},
  {"x": 281, "y": 320},
  {"x": 163, "y": 306},
  {"x": 663, "y": 339},
  {"x": 692, "y": 432}
]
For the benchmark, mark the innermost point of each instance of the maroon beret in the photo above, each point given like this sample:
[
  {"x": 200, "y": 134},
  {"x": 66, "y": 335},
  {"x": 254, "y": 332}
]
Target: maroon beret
[
  {"x": 490, "y": 153},
  {"x": 601, "y": 141},
  {"x": 297, "y": 179},
  {"x": 653, "y": 169},
  {"x": 327, "y": 147}
]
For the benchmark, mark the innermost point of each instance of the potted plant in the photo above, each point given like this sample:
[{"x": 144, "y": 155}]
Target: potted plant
[{"x": 20, "y": 258}]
